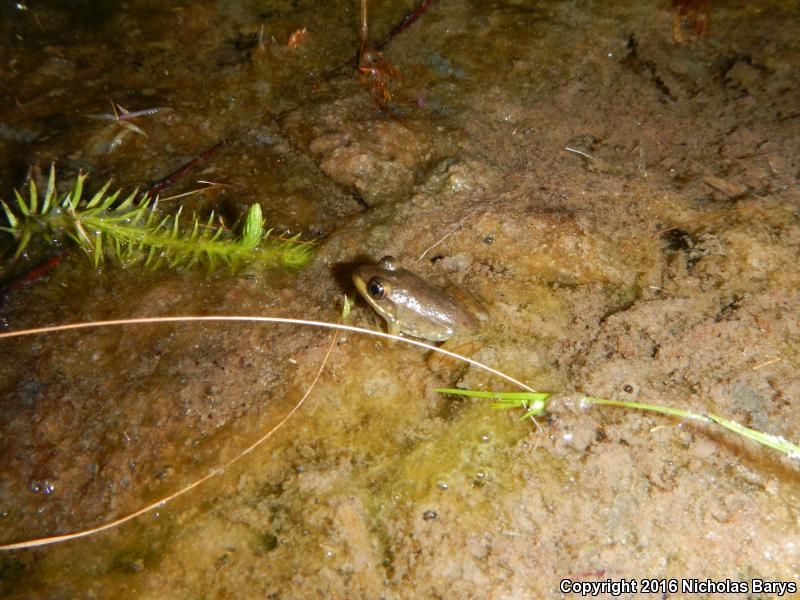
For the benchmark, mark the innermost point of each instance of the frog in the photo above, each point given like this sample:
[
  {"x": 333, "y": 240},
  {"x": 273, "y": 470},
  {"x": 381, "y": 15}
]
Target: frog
[{"x": 413, "y": 306}]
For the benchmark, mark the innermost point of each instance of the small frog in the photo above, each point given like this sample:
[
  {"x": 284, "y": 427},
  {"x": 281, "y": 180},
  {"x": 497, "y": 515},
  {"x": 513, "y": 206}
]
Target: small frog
[{"x": 410, "y": 304}]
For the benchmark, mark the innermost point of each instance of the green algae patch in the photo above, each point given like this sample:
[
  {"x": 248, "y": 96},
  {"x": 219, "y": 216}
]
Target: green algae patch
[{"x": 472, "y": 452}]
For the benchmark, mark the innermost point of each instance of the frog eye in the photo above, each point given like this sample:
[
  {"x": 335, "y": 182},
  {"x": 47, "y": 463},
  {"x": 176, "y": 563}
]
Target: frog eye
[
  {"x": 389, "y": 263},
  {"x": 376, "y": 289}
]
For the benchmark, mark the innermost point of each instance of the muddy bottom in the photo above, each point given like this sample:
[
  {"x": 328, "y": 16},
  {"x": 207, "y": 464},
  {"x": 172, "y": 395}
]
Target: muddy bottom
[{"x": 616, "y": 184}]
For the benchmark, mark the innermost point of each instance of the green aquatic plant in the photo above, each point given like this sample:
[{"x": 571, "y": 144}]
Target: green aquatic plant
[
  {"x": 535, "y": 403},
  {"x": 133, "y": 232}
]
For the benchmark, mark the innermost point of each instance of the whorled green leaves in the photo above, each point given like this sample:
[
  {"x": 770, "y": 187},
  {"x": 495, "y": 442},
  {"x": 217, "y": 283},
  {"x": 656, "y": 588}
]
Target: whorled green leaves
[{"x": 132, "y": 232}]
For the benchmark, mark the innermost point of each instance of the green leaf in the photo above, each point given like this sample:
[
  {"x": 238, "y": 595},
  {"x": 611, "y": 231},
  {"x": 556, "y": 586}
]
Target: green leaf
[
  {"x": 253, "y": 227},
  {"x": 534, "y": 403},
  {"x": 33, "y": 204},
  {"x": 12, "y": 220},
  {"x": 23, "y": 208},
  {"x": 78, "y": 190},
  {"x": 347, "y": 305},
  {"x": 50, "y": 194},
  {"x": 23, "y": 242},
  {"x": 97, "y": 251}
]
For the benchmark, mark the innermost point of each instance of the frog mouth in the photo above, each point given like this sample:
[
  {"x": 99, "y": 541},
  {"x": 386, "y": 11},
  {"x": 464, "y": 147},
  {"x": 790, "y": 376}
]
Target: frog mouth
[{"x": 358, "y": 280}]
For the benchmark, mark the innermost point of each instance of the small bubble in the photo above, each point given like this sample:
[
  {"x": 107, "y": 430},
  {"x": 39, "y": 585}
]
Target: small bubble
[
  {"x": 429, "y": 515},
  {"x": 485, "y": 438},
  {"x": 567, "y": 437},
  {"x": 442, "y": 485},
  {"x": 480, "y": 475},
  {"x": 41, "y": 487},
  {"x": 329, "y": 554}
]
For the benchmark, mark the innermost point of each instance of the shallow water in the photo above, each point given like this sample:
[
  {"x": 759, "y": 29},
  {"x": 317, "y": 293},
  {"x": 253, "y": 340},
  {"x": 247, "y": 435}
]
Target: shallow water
[{"x": 624, "y": 205}]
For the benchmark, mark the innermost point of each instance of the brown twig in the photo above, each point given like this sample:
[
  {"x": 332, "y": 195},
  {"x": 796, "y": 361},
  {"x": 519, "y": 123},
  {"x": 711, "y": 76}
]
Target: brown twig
[
  {"x": 182, "y": 171},
  {"x": 407, "y": 22},
  {"x": 31, "y": 275}
]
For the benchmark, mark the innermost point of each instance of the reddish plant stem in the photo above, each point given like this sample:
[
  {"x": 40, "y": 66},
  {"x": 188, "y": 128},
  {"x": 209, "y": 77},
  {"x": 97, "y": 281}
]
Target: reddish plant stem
[
  {"x": 34, "y": 274},
  {"x": 167, "y": 181},
  {"x": 406, "y": 23}
]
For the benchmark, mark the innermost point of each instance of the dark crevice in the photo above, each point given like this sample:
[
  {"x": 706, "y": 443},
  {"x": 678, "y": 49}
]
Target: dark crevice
[{"x": 646, "y": 67}]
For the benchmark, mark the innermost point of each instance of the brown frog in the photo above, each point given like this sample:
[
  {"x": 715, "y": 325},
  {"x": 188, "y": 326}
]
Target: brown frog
[{"x": 412, "y": 305}]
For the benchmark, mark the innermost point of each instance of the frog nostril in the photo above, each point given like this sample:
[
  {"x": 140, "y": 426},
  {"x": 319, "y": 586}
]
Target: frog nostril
[{"x": 376, "y": 289}]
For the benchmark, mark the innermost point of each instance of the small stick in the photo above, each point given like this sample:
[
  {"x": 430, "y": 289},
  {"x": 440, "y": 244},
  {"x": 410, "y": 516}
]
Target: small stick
[
  {"x": 40, "y": 270},
  {"x": 192, "y": 164},
  {"x": 406, "y": 23}
]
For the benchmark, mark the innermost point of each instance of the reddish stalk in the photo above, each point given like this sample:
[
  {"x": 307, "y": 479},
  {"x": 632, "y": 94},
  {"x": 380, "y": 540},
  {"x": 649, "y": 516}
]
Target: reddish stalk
[
  {"x": 182, "y": 171},
  {"x": 35, "y": 273},
  {"x": 407, "y": 22}
]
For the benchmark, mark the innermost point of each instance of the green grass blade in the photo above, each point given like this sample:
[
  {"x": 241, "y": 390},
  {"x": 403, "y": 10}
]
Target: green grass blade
[
  {"x": 23, "y": 242},
  {"x": 97, "y": 250},
  {"x": 664, "y": 410},
  {"x": 253, "y": 227},
  {"x": 534, "y": 403},
  {"x": 33, "y": 203},
  {"x": 78, "y": 189},
  {"x": 23, "y": 208},
  {"x": 50, "y": 194},
  {"x": 765, "y": 439},
  {"x": 12, "y": 220},
  {"x": 773, "y": 441},
  {"x": 516, "y": 396},
  {"x": 128, "y": 202}
]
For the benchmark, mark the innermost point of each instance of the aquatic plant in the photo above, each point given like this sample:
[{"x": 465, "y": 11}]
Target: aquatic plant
[
  {"x": 535, "y": 403},
  {"x": 133, "y": 232}
]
